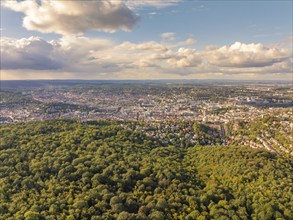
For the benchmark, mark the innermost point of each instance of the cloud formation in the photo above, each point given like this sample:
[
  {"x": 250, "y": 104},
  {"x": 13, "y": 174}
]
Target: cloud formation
[
  {"x": 94, "y": 57},
  {"x": 168, "y": 36},
  {"x": 150, "y": 45},
  {"x": 151, "y": 3},
  {"x": 246, "y": 55},
  {"x": 73, "y": 17},
  {"x": 30, "y": 53},
  {"x": 76, "y": 17}
]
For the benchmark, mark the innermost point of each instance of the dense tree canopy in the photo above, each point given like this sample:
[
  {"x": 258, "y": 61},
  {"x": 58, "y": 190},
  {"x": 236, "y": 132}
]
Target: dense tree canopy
[{"x": 100, "y": 170}]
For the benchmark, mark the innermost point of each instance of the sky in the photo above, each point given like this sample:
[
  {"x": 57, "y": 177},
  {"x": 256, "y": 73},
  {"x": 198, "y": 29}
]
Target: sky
[{"x": 151, "y": 39}]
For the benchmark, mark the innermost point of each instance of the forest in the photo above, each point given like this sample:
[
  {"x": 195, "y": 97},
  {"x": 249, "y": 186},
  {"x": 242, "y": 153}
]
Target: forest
[{"x": 65, "y": 169}]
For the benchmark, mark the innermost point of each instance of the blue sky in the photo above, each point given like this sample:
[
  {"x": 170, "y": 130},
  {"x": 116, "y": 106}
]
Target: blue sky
[{"x": 259, "y": 26}]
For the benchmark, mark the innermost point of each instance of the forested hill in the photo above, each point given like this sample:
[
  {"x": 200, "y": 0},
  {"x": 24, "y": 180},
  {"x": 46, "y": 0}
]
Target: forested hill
[{"x": 68, "y": 170}]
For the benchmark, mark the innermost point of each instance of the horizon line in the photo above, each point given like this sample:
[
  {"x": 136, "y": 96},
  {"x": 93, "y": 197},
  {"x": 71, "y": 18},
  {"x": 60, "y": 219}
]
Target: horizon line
[{"x": 285, "y": 80}]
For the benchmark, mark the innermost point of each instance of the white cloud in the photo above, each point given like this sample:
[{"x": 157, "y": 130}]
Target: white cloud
[
  {"x": 185, "y": 57},
  {"x": 153, "y": 13},
  {"x": 72, "y": 17},
  {"x": 150, "y": 45},
  {"x": 185, "y": 43},
  {"x": 168, "y": 36},
  {"x": 242, "y": 55},
  {"x": 76, "y": 17},
  {"x": 190, "y": 41},
  {"x": 82, "y": 57},
  {"x": 151, "y": 3}
]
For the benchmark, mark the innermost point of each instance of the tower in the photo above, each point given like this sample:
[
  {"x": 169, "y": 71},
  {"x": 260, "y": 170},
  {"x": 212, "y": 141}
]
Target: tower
[{"x": 205, "y": 117}]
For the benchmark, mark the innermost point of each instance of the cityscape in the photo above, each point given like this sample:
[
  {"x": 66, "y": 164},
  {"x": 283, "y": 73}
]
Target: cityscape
[
  {"x": 149, "y": 102},
  {"x": 156, "y": 106},
  {"x": 146, "y": 110}
]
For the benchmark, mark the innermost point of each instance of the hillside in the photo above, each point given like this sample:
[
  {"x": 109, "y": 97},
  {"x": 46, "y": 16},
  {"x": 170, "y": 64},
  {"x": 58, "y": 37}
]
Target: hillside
[
  {"x": 100, "y": 170},
  {"x": 273, "y": 133}
]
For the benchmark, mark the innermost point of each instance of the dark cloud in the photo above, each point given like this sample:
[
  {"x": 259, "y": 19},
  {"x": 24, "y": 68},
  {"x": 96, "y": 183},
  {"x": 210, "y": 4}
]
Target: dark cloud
[{"x": 31, "y": 53}]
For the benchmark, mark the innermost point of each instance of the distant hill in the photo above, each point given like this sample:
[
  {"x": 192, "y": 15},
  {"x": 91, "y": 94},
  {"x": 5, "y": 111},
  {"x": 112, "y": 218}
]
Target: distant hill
[{"x": 6, "y": 84}]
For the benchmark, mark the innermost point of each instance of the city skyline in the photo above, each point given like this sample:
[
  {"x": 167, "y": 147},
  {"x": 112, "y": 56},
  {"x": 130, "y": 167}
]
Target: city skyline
[{"x": 146, "y": 40}]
